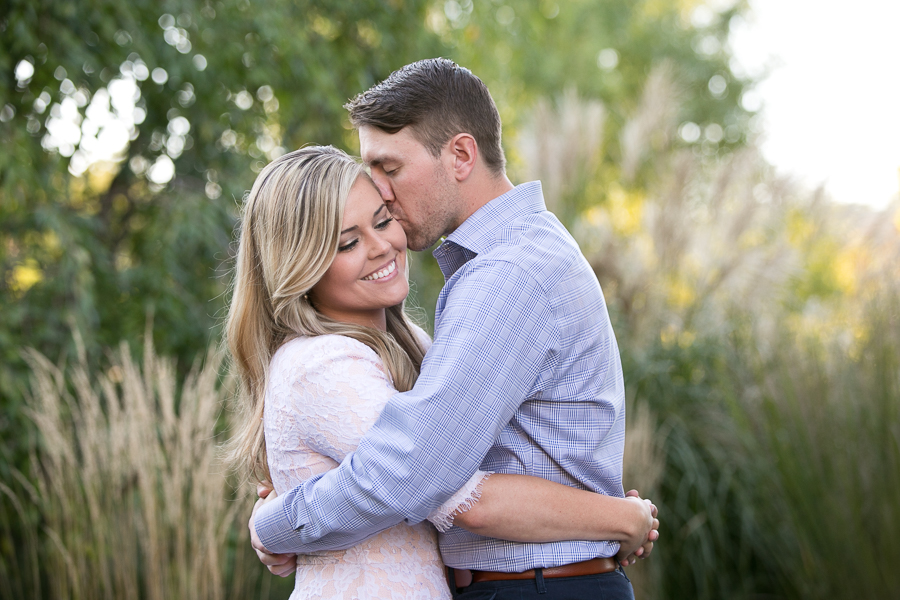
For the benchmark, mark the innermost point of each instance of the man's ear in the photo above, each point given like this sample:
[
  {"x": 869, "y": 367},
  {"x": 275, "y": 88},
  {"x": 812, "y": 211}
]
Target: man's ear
[{"x": 464, "y": 151}]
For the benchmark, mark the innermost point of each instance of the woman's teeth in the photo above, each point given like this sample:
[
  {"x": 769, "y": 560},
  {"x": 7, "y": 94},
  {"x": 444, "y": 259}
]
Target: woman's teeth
[{"x": 382, "y": 273}]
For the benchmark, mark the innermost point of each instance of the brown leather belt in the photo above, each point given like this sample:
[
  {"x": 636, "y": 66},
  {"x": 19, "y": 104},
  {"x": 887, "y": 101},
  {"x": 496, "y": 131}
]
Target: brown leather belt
[{"x": 595, "y": 566}]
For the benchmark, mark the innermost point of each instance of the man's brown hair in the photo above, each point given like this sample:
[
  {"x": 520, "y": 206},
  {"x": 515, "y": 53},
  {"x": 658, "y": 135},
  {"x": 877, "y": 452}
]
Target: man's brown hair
[{"x": 436, "y": 99}]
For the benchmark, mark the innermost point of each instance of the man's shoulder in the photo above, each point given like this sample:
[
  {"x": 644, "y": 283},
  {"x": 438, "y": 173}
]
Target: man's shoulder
[{"x": 536, "y": 243}]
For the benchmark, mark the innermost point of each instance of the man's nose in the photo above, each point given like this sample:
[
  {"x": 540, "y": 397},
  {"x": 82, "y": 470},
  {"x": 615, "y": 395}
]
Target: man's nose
[{"x": 383, "y": 186}]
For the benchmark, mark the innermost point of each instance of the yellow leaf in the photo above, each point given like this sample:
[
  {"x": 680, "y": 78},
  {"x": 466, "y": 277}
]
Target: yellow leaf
[{"x": 25, "y": 275}]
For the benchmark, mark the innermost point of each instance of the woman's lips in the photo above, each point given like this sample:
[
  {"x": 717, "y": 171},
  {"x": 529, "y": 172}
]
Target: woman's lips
[{"x": 383, "y": 273}]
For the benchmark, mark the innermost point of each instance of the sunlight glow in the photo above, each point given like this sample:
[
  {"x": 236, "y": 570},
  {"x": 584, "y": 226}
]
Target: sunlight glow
[{"x": 830, "y": 104}]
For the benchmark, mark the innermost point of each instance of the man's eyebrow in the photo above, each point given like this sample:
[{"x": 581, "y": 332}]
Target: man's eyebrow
[{"x": 380, "y": 159}]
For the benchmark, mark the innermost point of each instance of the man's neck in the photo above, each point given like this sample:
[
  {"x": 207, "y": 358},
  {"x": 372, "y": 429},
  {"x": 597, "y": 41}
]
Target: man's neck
[{"x": 483, "y": 190}]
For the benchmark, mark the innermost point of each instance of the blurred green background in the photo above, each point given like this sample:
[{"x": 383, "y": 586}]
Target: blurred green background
[{"x": 759, "y": 323}]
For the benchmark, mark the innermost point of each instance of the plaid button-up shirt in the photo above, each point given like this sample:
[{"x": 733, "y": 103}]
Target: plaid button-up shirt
[{"x": 523, "y": 377}]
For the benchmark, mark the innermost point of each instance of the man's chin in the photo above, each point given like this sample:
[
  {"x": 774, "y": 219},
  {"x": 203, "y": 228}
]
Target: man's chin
[{"x": 420, "y": 245}]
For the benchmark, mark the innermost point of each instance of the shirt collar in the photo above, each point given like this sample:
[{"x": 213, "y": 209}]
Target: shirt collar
[{"x": 478, "y": 233}]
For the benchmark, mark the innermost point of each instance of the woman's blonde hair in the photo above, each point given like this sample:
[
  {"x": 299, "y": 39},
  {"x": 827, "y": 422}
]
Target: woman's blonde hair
[{"x": 289, "y": 236}]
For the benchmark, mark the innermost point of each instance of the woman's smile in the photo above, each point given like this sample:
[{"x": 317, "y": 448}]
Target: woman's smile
[
  {"x": 383, "y": 274},
  {"x": 368, "y": 274}
]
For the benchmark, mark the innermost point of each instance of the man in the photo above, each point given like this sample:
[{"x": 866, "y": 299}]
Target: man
[{"x": 523, "y": 377}]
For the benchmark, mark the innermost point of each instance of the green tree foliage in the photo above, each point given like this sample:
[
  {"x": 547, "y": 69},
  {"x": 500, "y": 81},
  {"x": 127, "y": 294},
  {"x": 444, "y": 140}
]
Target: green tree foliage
[
  {"x": 606, "y": 50},
  {"x": 219, "y": 88},
  {"x": 208, "y": 92}
]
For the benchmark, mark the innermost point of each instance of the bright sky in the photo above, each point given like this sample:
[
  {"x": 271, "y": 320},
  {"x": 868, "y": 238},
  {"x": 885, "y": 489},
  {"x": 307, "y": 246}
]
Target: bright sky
[{"x": 832, "y": 101}]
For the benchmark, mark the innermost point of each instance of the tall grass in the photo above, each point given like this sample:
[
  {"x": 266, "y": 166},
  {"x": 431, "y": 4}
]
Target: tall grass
[
  {"x": 130, "y": 500},
  {"x": 828, "y": 429},
  {"x": 781, "y": 460},
  {"x": 644, "y": 466}
]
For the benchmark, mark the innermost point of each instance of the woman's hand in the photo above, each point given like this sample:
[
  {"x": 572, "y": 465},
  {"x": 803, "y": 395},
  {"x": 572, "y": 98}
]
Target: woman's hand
[
  {"x": 278, "y": 564},
  {"x": 640, "y": 544}
]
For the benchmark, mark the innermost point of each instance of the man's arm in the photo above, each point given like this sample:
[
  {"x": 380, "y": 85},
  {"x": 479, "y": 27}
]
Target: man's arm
[
  {"x": 495, "y": 335},
  {"x": 523, "y": 508}
]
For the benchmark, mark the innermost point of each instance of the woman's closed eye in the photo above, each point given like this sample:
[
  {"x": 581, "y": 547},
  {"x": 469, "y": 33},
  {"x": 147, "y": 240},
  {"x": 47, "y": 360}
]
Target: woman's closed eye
[
  {"x": 348, "y": 246},
  {"x": 384, "y": 224}
]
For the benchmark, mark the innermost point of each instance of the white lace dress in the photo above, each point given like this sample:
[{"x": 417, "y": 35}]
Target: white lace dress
[{"x": 323, "y": 395}]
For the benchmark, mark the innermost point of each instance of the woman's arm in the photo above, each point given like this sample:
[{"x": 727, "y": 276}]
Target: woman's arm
[{"x": 530, "y": 509}]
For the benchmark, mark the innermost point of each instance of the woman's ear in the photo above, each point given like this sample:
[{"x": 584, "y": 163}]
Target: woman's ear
[{"x": 464, "y": 151}]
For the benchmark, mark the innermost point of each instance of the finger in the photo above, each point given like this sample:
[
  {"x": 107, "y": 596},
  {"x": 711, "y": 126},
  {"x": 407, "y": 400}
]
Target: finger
[
  {"x": 283, "y": 570},
  {"x": 276, "y": 560},
  {"x": 256, "y": 506},
  {"x": 270, "y": 559},
  {"x": 288, "y": 563},
  {"x": 624, "y": 559},
  {"x": 632, "y": 493},
  {"x": 264, "y": 557},
  {"x": 257, "y": 544}
]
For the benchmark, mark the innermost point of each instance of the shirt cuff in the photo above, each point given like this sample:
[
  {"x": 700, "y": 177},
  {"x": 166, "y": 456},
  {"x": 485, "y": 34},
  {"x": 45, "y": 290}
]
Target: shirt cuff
[
  {"x": 277, "y": 528},
  {"x": 462, "y": 501}
]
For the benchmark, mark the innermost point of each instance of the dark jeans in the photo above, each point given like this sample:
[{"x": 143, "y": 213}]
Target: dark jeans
[{"x": 606, "y": 586}]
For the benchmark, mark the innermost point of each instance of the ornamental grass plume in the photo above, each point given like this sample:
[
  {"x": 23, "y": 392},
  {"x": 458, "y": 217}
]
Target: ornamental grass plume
[
  {"x": 131, "y": 500},
  {"x": 560, "y": 144},
  {"x": 644, "y": 466}
]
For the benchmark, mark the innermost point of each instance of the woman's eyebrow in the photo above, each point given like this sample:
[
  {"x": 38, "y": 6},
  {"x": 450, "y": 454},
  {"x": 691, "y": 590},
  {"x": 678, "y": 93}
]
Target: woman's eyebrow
[{"x": 375, "y": 214}]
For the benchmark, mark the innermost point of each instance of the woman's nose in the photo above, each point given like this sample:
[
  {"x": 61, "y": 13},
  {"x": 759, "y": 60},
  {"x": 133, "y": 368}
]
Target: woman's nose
[{"x": 379, "y": 246}]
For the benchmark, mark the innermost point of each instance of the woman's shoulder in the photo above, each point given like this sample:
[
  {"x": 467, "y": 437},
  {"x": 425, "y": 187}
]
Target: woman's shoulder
[
  {"x": 319, "y": 364},
  {"x": 318, "y": 350}
]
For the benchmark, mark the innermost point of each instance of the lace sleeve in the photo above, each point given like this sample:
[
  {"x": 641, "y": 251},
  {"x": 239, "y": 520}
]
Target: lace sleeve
[
  {"x": 323, "y": 394},
  {"x": 463, "y": 500}
]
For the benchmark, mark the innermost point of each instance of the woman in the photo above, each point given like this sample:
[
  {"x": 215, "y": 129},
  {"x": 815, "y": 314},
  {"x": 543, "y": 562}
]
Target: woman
[{"x": 320, "y": 341}]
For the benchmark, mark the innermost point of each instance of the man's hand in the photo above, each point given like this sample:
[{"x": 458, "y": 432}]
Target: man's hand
[
  {"x": 278, "y": 564},
  {"x": 628, "y": 554}
]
